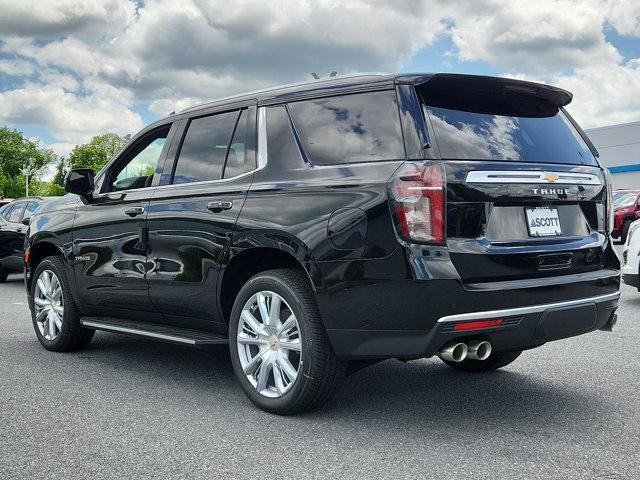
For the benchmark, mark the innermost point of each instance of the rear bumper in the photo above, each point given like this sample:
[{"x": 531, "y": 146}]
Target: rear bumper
[{"x": 522, "y": 328}]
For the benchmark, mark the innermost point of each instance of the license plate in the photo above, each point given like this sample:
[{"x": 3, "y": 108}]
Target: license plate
[{"x": 543, "y": 222}]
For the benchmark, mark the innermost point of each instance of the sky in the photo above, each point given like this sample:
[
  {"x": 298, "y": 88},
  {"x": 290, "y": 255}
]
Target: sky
[{"x": 72, "y": 69}]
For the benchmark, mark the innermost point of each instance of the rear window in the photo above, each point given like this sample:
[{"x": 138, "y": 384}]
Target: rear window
[
  {"x": 511, "y": 129},
  {"x": 361, "y": 127}
]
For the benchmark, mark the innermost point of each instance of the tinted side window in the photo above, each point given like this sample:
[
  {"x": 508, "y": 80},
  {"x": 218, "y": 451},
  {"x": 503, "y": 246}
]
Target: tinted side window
[
  {"x": 281, "y": 144},
  {"x": 204, "y": 148},
  {"x": 16, "y": 213},
  {"x": 6, "y": 211},
  {"x": 360, "y": 127},
  {"x": 31, "y": 207},
  {"x": 239, "y": 160},
  {"x": 137, "y": 165}
]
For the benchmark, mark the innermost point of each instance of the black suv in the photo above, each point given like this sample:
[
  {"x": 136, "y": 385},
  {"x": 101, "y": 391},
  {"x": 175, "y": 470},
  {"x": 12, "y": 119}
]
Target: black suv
[
  {"x": 321, "y": 227},
  {"x": 14, "y": 217}
]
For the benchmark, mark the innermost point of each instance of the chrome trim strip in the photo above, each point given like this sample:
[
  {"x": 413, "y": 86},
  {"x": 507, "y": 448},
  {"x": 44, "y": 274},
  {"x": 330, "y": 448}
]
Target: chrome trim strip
[
  {"x": 532, "y": 176},
  {"x": 262, "y": 137},
  {"x": 135, "y": 331},
  {"x": 525, "y": 310}
]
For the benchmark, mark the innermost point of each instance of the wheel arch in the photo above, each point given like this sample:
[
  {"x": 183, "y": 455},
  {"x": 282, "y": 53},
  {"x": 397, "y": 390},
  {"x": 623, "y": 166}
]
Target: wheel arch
[
  {"x": 39, "y": 251},
  {"x": 244, "y": 263}
]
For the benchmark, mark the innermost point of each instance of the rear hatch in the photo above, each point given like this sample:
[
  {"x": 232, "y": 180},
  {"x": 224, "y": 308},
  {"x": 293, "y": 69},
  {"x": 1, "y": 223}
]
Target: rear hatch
[{"x": 525, "y": 197}]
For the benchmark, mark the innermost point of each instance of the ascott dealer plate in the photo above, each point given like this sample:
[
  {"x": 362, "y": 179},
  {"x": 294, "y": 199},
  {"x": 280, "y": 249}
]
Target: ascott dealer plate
[{"x": 543, "y": 222}]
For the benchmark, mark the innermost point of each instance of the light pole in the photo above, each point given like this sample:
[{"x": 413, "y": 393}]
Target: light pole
[{"x": 26, "y": 171}]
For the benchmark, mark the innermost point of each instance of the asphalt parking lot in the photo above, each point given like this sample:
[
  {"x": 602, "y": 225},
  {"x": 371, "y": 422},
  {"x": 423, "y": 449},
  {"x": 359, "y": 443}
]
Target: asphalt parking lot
[{"x": 132, "y": 408}]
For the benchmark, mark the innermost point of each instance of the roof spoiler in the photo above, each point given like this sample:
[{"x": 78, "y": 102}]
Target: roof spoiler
[{"x": 554, "y": 95}]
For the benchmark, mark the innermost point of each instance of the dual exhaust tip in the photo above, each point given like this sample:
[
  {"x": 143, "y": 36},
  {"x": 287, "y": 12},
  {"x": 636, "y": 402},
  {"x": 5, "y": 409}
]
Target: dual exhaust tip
[{"x": 459, "y": 351}]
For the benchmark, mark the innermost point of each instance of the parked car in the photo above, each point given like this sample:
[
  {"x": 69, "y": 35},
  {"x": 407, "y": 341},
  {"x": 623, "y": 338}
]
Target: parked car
[
  {"x": 5, "y": 201},
  {"x": 631, "y": 256},
  {"x": 626, "y": 205},
  {"x": 321, "y": 227},
  {"x": 12, "y": 231}
]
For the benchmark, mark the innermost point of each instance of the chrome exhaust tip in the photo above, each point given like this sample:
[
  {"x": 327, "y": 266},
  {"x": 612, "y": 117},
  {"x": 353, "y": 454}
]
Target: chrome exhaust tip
[
  {"x": 478, "y": 350},
  {"x": 453, "y": 352}
]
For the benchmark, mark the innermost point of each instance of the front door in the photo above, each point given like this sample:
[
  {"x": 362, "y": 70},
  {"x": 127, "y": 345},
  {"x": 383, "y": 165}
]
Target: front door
[
  {"x": 109, "y": 244},
  {"x": 192, "y": 218}
]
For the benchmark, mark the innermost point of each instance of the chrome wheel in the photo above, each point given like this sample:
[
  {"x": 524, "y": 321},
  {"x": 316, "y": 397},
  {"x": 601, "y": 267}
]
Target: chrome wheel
[
  {"x": 49, "y": 305},
  {"x": 269, "y": 344}
]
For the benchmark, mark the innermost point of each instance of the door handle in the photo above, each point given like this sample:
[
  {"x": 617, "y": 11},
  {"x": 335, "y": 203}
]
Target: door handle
[
  {"x": 134, "y": 211},
  {"x": 19, "y": 230},
  {"x": 217, "y": 206}
]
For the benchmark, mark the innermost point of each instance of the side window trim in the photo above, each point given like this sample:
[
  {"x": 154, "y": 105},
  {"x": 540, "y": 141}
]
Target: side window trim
[{"x": 262, "y": 138}]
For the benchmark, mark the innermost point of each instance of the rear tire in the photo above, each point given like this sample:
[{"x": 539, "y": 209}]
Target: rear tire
[
  {"x": 495, "y": 361},
  {"x": 625, "y": 230},
  {"x": 3, "y": 275},
  {"x": 285, "y": 365},
  {"x": 53, "y": 311}
]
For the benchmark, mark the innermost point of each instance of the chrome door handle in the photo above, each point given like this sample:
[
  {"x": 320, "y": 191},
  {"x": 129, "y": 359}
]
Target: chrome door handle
[
  {"x": 218, "y": 206},
  {"x": 134, "y": 211}
]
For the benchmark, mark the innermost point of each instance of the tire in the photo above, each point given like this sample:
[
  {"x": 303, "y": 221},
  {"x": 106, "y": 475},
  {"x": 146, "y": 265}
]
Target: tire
[
  {"x": 495, "y": 361},
  {"x": 318, "y": 370},
  {"x": 66, "y": 333},
  {"x": 4, "y": 274},
  {"x": 625, "y": 230}
]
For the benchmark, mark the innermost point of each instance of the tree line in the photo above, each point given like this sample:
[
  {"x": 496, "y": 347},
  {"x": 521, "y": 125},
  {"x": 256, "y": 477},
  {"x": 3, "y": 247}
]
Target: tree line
[{"x": 18, "y": 151}]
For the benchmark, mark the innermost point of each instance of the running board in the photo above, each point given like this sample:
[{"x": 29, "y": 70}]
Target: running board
[{"x": 161, "y": 332}]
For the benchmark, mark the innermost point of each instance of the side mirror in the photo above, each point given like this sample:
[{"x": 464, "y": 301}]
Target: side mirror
[
  {"x": 26, "y": 220},
  {"x": 81, "y": 182}
]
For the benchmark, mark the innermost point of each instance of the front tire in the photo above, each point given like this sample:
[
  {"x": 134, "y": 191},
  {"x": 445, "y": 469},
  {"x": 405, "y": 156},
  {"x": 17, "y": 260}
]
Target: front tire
[
  {"x": 495, "y": 361},
  {"x": 54, "y": 314},
  {"x": 279, "y": 349}
]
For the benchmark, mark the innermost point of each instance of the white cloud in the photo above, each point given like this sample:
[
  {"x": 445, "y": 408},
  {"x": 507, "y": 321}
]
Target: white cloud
[
  {"x": 16, "y": 67},
  {"x": 73, "y": 118},
  {"x": 604, "y": 96},
  {"x": 545, "y": 36},
  {"x": 624, "y": 16},
  {"x": 86, "y": 63}
]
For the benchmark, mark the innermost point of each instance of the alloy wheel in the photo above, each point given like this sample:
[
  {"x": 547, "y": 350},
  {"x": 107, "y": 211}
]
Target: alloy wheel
[
  {"x": 269, "y": 344},
  {"x": 49, "y": 305}
]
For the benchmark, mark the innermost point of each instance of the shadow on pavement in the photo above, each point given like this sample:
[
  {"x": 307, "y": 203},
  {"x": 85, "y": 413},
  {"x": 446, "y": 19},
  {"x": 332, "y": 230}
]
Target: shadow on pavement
[{"x": 420, "y": 397}]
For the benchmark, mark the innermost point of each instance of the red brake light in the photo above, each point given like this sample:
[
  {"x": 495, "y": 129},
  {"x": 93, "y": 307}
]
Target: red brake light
[
  {"x": 418, "y": 194},
  {"x": 477, "y": 324}
]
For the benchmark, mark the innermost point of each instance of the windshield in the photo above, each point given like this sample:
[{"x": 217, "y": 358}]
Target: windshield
[{"x": 624, "y": 199}]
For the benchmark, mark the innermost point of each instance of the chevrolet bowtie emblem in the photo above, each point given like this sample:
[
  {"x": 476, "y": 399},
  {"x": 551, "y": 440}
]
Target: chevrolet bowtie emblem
[{"x": 550, "y": 177}]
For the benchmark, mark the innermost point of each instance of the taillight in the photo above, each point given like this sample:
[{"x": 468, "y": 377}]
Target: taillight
[{"x": 418, "y": 200}]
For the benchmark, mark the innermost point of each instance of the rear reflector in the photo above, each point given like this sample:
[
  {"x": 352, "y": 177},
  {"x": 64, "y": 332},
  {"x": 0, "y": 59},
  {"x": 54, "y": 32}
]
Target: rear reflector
[{"x": 477, "y": 324}]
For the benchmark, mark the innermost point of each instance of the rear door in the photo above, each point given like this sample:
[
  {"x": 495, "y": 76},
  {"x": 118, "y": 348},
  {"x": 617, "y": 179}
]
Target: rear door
[
  {"x": 525, "y": 195},
  {"x": 192, "y": 216}
]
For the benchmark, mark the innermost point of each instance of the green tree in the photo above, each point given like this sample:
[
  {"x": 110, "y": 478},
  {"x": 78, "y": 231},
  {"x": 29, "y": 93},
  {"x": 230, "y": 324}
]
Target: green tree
[
  {"x": 96, "y": 153},
  {"x": 16, "y": 151}
]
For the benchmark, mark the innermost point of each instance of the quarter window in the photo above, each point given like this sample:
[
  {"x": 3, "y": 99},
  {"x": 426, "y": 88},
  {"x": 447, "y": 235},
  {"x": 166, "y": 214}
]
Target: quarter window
[
  {"x": 352, "y": 128},
  {"x": 239, "y": 159},
  {"x": 204, "y": 148}
]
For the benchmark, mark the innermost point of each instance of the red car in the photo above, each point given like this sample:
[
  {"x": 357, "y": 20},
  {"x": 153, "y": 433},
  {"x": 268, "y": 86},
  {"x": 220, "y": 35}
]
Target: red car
[{"x": 626, "y": 207}]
